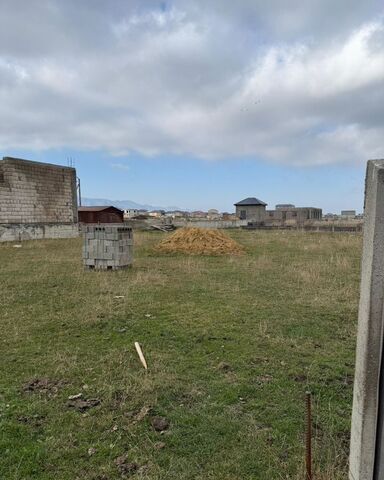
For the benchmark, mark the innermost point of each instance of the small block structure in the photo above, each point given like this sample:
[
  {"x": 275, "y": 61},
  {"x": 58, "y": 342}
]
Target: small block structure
[
  {"x": 251, "y": 209},
  {"x": 107, "y": 246}
]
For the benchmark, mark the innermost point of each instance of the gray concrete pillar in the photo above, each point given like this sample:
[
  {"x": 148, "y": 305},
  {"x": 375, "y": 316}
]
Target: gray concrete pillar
[{"x": 366, "y": 454}]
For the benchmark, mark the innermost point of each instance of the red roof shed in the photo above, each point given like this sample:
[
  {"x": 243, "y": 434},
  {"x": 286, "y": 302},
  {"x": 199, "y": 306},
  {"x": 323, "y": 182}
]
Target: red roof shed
[{"x": 103, "y": 214}]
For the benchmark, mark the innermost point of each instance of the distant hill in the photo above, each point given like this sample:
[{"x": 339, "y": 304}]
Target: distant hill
[{"x": 124, "y": 204}]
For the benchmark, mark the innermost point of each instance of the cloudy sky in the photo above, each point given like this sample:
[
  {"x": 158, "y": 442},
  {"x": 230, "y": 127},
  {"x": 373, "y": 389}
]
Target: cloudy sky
[{"x": 197, "y": 103}]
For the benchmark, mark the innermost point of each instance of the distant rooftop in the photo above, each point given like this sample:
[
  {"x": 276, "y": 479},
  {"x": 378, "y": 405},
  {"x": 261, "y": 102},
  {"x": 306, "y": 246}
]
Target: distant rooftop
[
  {"x": 348, "y": 212},
  {"x": 97, "y": 208},
  {"x": 285, "y": 205},
  {"x": 251, "y": 201}
]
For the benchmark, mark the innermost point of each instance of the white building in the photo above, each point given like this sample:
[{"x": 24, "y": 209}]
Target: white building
[{"x": 130, "y": 212}]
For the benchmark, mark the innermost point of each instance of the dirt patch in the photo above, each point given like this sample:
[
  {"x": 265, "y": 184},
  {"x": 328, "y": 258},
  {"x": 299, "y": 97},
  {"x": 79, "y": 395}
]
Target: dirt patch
[
  {"x": 261, "y": 379},
  {"x": 346, "y": 380},
  {"x": 32, "y": 420},
  {"x": 43, "y": 385},
  {"x": 82, "y": 404},
  {"x": 118, "y": 399},
  {"x": 159, "y": 445},
  {"x": 200, "y": 241},
  {"x": 160, "y": 424},
  {"x": 125, "y": 467},
  {"x": 301, "y": 378},
  {"x": 141, "y": 414},
  {"x": 224, "y": 367},
  {"x": 257, "y": 361}
]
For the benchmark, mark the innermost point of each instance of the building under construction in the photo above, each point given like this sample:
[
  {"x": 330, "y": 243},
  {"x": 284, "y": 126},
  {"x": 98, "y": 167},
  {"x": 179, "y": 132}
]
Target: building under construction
[
  {"x": 291, "y": 215},
  {"x": 254, "y": 211},
  {"x": 37, "y": 200}
]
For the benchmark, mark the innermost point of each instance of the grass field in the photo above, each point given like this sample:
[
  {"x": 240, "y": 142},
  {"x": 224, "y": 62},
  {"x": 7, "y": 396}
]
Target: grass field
[{"x": 232, "y": 345}]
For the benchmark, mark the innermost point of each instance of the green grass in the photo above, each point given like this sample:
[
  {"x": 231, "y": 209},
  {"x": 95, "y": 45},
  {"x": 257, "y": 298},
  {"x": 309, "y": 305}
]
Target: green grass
[{"x": 282, "y": 317}]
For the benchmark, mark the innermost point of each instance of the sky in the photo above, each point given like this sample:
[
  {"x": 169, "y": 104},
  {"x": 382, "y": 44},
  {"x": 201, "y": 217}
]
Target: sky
[{"x": 197, "y": 104}]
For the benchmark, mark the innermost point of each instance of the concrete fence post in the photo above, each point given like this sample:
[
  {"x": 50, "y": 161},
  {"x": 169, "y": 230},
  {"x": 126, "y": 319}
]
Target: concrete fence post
[{"x": 367, "y": 441}]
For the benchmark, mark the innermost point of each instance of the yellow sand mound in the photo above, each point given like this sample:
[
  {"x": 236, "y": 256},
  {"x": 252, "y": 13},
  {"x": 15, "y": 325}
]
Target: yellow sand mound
[{"x": 200, "y": 241}]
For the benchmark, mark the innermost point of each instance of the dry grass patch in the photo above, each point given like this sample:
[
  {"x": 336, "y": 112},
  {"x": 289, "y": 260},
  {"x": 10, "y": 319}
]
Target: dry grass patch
[{"x": 149, "y": 278}]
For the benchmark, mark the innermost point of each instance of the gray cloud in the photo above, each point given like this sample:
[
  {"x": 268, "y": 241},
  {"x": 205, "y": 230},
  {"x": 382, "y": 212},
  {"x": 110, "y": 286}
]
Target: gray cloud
[{"x": 301, "y": 85}]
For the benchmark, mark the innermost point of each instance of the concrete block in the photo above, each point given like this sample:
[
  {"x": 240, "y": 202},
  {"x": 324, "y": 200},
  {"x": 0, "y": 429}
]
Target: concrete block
[{"x": 107, "y": 247}]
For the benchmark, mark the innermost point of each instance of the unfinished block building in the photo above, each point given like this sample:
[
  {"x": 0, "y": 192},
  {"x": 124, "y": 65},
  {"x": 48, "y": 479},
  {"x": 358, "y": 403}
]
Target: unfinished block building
[
  {"x": 291, "y": 215},
  {"x": 37, "y": 200},
  {"x": 254, "y": 211}
]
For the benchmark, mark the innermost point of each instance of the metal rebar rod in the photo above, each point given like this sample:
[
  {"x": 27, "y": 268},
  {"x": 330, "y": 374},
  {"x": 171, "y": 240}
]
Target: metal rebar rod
[{"x": 308, "y": 438}]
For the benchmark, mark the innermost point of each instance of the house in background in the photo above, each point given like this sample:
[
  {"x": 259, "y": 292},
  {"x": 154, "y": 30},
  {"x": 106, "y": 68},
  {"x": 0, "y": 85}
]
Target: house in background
[
  {"x": 156, "y": 213},
  {"x": 131, "y": 212},
  {"x": 176, "y": 214},
  {"x": 198, "y": 214},
  {"x": 251, "y": 209},
  {"x": 348, "y": 214},
  {"x": 213, "y": 214},
  {"x": 329, "y": 217},
  {"x": 284, "y": 206}
]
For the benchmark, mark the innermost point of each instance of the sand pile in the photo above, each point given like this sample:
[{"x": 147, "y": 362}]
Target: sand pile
[{"x": 200, "y": 241}]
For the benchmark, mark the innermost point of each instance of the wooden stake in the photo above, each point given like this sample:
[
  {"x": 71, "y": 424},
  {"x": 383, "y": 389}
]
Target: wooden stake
[{"x": 141, "y": 355}]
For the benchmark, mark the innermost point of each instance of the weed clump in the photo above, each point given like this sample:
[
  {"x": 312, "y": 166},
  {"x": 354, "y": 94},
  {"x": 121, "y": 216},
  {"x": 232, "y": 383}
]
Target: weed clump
[{"x": 200, "y": 241}]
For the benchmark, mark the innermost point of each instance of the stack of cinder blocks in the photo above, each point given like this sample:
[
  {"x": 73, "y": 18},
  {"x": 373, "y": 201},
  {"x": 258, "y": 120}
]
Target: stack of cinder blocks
[{"x": 107, "y": 246}]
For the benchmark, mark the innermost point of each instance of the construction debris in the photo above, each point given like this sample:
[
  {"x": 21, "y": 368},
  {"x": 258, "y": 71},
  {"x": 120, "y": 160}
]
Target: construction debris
[
  {"x": 200, "y": 241},
  {"x": 75, "y": 397},
  {"x": 167, "y": 227}
]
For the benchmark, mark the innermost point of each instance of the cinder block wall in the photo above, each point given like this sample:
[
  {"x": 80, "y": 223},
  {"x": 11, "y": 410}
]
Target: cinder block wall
[
  {"x": 34, "y": 192},
  {"x": 18, "y": 232}
]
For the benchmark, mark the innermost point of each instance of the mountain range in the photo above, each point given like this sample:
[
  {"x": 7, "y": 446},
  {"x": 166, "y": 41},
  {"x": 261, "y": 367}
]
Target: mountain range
[{"x": 124, "y": 204}]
